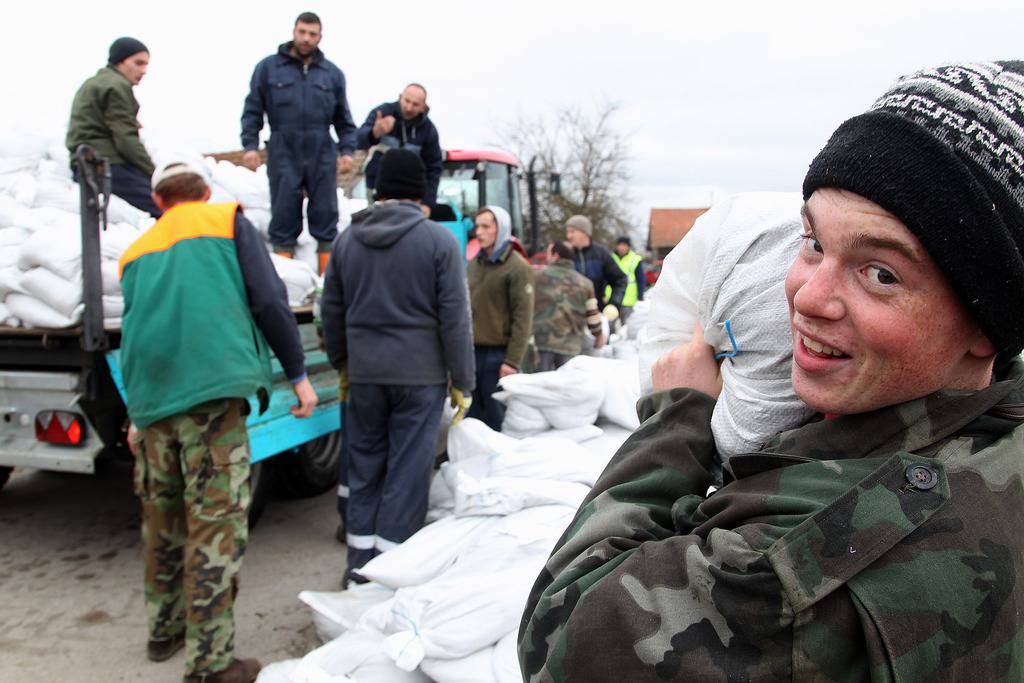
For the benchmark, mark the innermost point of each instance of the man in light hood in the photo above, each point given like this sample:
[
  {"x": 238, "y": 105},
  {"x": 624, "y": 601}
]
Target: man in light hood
[
  {"x": 501, "y": 292},
  {"x": 396, "y": 322}
]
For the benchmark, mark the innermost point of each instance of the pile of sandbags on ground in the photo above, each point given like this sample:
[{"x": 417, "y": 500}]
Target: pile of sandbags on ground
[
  {"x": 445, "y": 605},
  {"x": 576, "y": 395},
  {"x": 40, "y": 231}
]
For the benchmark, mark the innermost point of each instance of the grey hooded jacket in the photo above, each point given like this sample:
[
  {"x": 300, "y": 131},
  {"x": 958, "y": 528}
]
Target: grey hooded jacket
[{"x": 395, "y": 304}]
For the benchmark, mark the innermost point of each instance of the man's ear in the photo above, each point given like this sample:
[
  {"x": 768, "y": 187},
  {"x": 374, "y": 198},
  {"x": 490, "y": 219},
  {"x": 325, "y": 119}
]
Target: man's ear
[
  {"x": 159, "y": 201},
  {"x": 980, "y": 346}
]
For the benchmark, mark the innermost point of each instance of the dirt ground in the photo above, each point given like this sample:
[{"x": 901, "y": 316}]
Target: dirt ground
[{"x": 71, "y": 579}]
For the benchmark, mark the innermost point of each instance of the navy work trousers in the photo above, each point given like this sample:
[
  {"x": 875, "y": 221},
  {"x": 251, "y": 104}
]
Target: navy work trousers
[
  {"x": 484, "y": 407},
  {"x": 302, "y": 163},
  {"x": 133, "y": 186},
  {"x": 392, "y": 435}
]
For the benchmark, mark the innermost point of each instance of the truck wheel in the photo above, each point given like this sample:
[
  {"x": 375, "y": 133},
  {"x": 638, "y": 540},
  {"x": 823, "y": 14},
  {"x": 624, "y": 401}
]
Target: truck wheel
[
  {"x": 5, "y": 474},
  {"x": 311, "y": 469},
  {"x": 260, "y": 485}
]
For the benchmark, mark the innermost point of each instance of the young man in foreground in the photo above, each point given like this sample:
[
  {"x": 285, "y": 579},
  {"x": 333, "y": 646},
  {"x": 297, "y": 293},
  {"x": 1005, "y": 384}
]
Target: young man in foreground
[{"x": 881, "y": 540}]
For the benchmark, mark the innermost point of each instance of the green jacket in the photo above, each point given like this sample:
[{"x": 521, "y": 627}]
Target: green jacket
[
  {"x": 564, "y": 304},
  {"x": 188, "y": 335},
  {"x": 501, "y": 298},
  {"x": 103, "y": 115},
  {"x": 883, "y": 546}
]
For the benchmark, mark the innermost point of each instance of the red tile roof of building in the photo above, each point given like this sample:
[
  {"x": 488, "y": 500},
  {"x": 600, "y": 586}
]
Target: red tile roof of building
[{"x": 668, "y": 226}]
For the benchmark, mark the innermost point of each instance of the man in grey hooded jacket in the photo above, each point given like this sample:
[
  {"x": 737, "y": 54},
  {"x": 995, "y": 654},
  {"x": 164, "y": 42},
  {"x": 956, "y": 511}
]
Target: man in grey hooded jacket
[{"x": 396, "y": 320}]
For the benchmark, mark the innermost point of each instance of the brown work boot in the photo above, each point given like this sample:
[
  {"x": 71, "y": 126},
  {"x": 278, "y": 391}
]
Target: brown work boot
[
  {"x": 162, "y": 650},
  {"x": 239, "y": 671}
]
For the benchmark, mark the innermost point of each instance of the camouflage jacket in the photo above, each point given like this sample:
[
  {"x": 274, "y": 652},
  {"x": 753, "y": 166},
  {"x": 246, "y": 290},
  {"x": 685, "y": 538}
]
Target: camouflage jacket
[
  {"x": 563, "y": 304},
  {"x": 882, "y": 546}
]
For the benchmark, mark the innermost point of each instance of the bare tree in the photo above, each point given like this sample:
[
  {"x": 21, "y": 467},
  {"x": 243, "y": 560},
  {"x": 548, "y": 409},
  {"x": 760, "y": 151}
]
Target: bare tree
[{"x": 591, "y": 156}]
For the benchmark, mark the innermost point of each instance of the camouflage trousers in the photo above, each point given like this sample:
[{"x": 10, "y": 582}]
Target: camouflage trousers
[{"x": 192, "y": 475}]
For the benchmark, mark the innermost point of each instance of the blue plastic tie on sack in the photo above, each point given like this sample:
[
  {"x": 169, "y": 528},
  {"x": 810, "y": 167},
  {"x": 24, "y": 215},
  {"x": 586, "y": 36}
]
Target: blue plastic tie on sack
[{"x": 732, "y": 340}]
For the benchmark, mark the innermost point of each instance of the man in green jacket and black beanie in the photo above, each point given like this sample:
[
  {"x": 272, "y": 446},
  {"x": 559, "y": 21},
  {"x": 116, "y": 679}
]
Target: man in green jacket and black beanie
[{"x": 103, "y": 116}]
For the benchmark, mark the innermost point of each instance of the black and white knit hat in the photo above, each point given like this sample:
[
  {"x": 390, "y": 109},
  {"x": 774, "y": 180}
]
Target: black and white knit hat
[{"x": 943, "y": 151}]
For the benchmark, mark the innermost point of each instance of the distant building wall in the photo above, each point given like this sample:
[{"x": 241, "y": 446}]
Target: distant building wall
[{"x": 667, "y": 227}]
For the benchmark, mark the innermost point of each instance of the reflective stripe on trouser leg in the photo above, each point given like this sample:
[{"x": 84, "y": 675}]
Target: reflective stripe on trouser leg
[{"x": 366, "y": 412}]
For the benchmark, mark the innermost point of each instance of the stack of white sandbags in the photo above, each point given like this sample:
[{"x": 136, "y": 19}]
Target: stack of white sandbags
[
  {"x": 445, "y": 605},
  {"x": 40, "y": 238},
  {"x": 574, "y": 396},
  {"x": 40, "y": 231}
]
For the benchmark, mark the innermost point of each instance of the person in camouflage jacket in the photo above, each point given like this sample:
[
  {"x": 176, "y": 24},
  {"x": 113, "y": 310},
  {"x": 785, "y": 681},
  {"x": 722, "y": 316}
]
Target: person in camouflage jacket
[
  {"x": 880, "y": 540},
  {"x": 563, "y": 305}
]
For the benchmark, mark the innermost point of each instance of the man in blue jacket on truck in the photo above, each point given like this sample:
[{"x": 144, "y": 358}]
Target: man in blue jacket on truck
[
  {"x": 403, "y": 125},
  {"x": 396, "y": 324},
  {"x": 302, "y": 95},
  {"x": 203, "y": 310}
]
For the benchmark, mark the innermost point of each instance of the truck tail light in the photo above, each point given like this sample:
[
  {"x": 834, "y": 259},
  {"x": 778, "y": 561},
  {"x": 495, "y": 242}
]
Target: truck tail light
[{"x": 60, "y": 426}]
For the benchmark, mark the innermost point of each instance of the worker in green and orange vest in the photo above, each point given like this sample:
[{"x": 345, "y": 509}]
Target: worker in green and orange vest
[{"x": 632, "y": 264}]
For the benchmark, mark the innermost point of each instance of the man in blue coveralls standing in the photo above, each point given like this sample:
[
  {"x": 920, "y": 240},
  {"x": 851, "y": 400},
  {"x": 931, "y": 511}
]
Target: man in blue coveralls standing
[{"x": 302, "y": 95}]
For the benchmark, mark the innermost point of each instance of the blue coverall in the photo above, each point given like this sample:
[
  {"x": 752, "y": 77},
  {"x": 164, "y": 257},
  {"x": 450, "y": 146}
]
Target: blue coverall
[{"x": 301, "y": 102}]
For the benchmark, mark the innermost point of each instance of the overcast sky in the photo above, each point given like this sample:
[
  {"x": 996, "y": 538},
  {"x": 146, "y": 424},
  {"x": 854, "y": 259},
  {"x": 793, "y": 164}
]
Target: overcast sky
[{"x": 716, "y": 97}]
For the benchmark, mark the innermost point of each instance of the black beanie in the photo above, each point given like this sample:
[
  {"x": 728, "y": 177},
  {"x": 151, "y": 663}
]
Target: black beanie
[
  {"x": 123, "y": 48},
  {"x": 401, "y": 175},
  {"x": 943, "y": 151}
]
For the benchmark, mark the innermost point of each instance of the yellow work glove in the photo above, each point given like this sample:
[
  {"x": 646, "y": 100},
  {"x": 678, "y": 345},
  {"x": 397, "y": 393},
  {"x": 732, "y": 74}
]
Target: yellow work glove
[
  {"x": 461, "y": 402},
  {"x": 611, "y": 313},
  {"x": 343, "y": 384}
]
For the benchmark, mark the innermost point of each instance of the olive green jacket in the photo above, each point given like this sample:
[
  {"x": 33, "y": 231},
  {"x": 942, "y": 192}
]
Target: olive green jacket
[
  {"x": 884, "y": 546},
  {"x": 103, "y": 116},
  {"x": 501, "y": 296}
]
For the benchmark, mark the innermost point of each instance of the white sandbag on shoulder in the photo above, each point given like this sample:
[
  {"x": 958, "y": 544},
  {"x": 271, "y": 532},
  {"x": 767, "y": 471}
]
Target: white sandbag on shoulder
[
  {"x": 59, "y": 294},
  {"x": 10, "y": 281},
  {"x": 57, "y": 250},
  {"x": 734, "y": 268},
  {"x": 505, "y": 662},
  {"x": 475, "y": 668},
  {"x": 34, "y": 313},
  {"x": 427, "y": 553},
  {"x": 336, "y": 612}
]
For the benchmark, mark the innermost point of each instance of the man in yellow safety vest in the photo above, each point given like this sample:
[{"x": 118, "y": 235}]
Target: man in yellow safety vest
[{"x": 632, "y": 264}]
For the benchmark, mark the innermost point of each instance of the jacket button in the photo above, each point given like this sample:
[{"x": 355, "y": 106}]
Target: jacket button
[{"x": 922, "y": 477}]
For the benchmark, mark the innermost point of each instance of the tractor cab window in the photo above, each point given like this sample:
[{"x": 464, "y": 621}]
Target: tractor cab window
[{"x": 458, "y": 188}]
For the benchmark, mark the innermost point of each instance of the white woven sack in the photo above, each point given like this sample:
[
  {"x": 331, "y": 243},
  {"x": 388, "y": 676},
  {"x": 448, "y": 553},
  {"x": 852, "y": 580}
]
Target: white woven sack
[
  {"x": 34, "y": 313},
  {"x": 59, "y": 294},
  {"x": 475, "y": 668}
]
